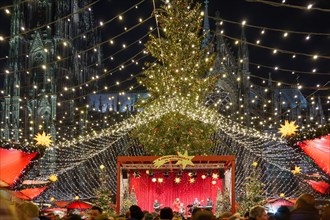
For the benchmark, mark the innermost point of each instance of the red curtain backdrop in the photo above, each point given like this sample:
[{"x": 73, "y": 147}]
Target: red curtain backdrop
[
  {"x": 12, "y": 163},
  {"x": 147, "y": 191},
  {"x": 319, "y": 150}
]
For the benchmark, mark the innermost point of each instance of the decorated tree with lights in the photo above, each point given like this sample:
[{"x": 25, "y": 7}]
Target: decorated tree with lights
[
  {"x": 177, "y": 78},
  {"x": 252, "y": 191},
  {"x": 128, "y": 200},
  {"x": 223, "y": 203},
  {"x": 103, "y": 194}
]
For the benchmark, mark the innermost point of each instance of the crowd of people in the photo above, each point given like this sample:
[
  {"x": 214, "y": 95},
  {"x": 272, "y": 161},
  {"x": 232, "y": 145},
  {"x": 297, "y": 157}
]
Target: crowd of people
[{"x": 304, "y": 209}]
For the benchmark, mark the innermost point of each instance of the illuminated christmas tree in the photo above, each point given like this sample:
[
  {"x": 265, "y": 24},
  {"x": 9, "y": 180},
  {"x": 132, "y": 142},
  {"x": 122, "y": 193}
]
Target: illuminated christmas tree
[
  {"x": 128, "y": 200},
  {"x": 223, "y": 203},
  {"x": 178, "y": 76},
  {"x": 103, "y": 194},
  {"x": 252, "y": 193}
]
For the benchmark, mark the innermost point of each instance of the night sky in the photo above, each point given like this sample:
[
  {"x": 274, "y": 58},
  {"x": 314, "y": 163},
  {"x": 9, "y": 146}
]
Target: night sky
[{"x": 259, "y": 15}]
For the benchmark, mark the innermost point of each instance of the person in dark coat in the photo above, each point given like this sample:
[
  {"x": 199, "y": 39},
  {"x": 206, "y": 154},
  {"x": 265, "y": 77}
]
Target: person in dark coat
[
  {"x": 304, "y": 209},
  {"x": 135, "y": 213},
  {"x": 282, "y": 213},
  {"x": 166, "y": 213}
]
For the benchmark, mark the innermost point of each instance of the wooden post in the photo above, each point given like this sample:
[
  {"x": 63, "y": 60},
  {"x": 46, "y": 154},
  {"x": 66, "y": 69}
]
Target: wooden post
[
  {"x": 118, "y": 187},
  {"x": 233, "y": 207}
]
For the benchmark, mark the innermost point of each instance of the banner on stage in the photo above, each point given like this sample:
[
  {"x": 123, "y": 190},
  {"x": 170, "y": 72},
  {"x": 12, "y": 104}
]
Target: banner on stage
[{"x": 182, "y": 159}]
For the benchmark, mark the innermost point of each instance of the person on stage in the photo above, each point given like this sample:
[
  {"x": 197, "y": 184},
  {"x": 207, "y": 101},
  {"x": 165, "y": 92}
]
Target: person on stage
[
  {"x": 196, "y": 203},
  {"x": 176, "y": 205},
  {"x": 157, "y": 206},
  {"x": 209, "y": 203}
]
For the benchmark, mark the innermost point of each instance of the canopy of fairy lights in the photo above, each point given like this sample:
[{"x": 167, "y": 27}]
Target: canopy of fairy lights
[
  {"x": 75, "y": 163},
  {"x": 78, "y": 161}
]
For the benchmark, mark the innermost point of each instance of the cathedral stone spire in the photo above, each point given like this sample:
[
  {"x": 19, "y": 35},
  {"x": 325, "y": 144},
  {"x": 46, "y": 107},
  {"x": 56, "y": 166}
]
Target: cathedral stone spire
[
  {"x": 33, "y": 98},
  {"x": 206, "y": 26},
  {"x": 243, "y": 53}
]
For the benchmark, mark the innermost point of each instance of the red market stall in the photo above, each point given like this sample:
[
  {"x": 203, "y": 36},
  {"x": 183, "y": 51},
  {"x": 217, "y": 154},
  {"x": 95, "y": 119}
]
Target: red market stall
[{"x": 79, "y": 205}]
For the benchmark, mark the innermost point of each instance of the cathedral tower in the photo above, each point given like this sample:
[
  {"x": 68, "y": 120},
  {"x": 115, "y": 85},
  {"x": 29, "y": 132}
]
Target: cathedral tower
[{"x": 53, "y": 53}]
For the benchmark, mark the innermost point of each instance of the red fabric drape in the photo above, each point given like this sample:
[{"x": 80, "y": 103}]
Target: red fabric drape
[
  {"x": 319, "y": 150},
  {"x": 29, "y": 194},
  {"x": 61, "y": 204},
  {"x": 12, "y": 163},
  {"x": 280, "y": 202},
  {"x": 147, "y": 191},
  {"x": 79, "y": 205},
  {"x": 321, "y": 187}
]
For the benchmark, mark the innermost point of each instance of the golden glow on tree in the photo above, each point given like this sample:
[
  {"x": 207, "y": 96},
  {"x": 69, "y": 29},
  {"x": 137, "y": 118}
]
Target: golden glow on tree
[{"x": 179, "y": 73}]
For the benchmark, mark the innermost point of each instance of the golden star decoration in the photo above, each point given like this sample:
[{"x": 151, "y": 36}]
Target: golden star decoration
[
  {"x": 43, "y": 139},
  {"x": 215, "y": 175},
  {"x": 288, "y": 129},
  {"x": 177, "y": 180},
  {"x": 191, "y": 180},
  {"x": 185, "y": 160},
  {"x": 254, "y": 164},
  {"x": 282, "y": 195},
  {"x": 296, "y": 170},
  {"x": 53, "y": 178},
  {"x": 182, "y": 159}
]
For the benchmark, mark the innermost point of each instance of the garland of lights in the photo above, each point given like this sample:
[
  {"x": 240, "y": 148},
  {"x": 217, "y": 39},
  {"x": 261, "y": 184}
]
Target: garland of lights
[
  {"x": 95, "y": 149},
  {"x": 308, "y": 135},
  {"x": 248, "y": 144}
]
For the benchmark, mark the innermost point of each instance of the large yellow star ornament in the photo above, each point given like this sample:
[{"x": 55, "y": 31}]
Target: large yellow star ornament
[
  {"x": 185, "y": 159},
  {"x": 296, "y": 170},
  {"x": 43, "y": 139},
  {"x": 288, "y": 129}
]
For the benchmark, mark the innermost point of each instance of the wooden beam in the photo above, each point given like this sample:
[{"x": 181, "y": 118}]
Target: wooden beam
[
  {"x": 233, "y": 207},
  {"x": 118, "y": 188}
]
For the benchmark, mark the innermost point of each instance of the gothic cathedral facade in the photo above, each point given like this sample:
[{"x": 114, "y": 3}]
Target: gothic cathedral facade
[{"x": 53, "y": 52}]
